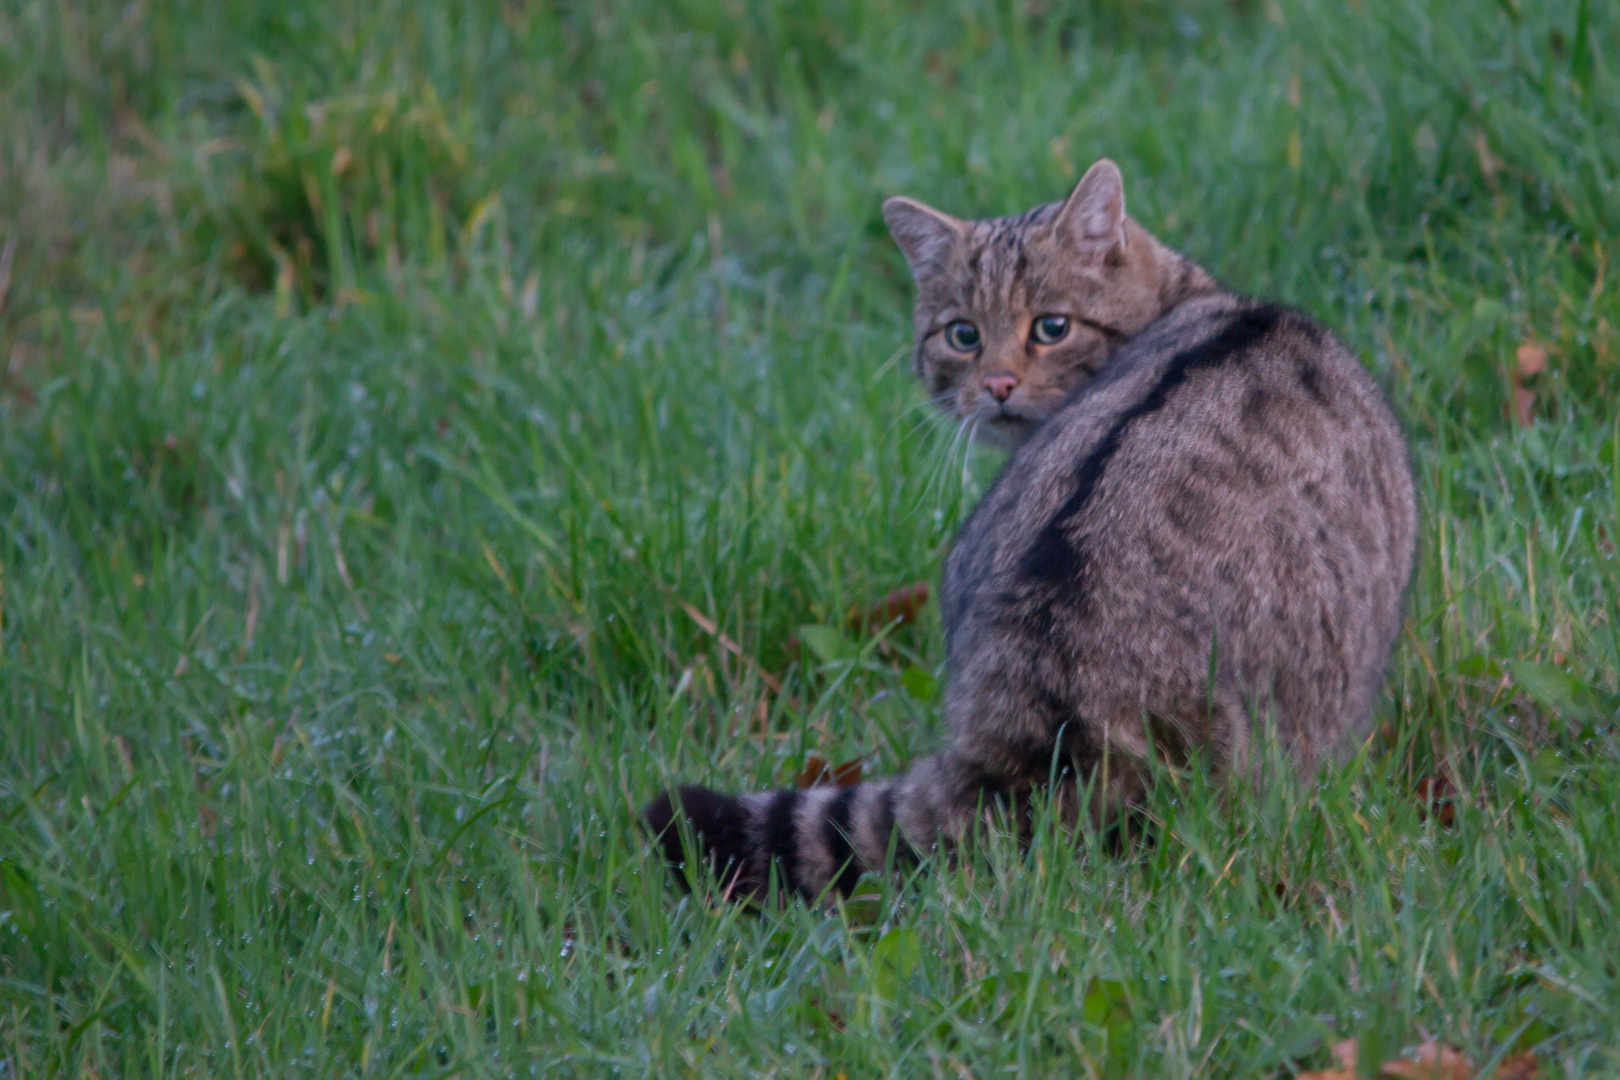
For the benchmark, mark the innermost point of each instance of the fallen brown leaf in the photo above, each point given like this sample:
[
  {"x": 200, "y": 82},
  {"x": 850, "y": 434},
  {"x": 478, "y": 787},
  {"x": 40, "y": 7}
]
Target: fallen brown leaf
[
  {"x": 1529, "y": 362},
  {"x": 1518, "y": 1067},
  {"x": 848, "y": 774},
  {"x": 1435, "y": 797},
  {"x": 1430, "y": 1060},
  {"x": 1345, "y": 1054},
  {"x": 902, "y": 605},
  {"x": 814, "y": 767},
  {"x": 817, "y": 773},
  {"x": 1532, "y": 360}
]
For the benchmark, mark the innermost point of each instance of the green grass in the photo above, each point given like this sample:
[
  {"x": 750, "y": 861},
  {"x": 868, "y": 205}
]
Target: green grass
[{"x": 383, "y": 382}]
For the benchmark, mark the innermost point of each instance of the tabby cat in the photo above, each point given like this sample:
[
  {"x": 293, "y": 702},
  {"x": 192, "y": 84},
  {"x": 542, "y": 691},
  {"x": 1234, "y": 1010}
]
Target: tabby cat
[{"x": 1203, "y": 537}]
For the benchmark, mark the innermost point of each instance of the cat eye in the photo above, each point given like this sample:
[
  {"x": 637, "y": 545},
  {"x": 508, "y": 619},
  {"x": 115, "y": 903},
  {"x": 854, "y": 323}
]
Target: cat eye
[
  {"x": 1050, "y": 329},
  {"x": 962, "y": 336}
]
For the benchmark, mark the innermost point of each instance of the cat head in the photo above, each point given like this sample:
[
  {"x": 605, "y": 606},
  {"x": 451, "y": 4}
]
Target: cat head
[{"x": 1014, "y": 313}]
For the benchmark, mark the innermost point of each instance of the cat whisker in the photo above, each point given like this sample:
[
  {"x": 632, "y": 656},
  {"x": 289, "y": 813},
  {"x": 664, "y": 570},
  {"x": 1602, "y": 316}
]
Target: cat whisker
[
  {"x": 967, "y": 452},
  {"x": 928, "y": 409},
  {"x": 934, "y": 489},
  {"x": 935, "y": 493}
]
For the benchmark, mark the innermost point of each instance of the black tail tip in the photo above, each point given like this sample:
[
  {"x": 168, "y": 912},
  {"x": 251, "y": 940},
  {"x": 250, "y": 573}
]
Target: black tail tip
[
  {"x": 716, "y": 822},
  {"x": 659, "y": 817}
]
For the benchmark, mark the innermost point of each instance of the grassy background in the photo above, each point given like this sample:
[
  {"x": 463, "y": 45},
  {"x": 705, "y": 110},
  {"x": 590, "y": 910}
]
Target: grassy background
[{"x": 384, "y": 383}]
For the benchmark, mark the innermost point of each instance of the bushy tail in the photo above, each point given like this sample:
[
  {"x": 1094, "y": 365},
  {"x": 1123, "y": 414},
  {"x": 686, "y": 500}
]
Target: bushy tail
[{"x": 817, "y": 840}]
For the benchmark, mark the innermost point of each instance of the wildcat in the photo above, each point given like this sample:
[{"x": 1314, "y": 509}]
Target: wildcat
[{"x": 1204, "y": 535}]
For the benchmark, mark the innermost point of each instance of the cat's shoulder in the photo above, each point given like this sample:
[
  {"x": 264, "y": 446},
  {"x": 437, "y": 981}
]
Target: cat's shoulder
[{"x": 1217, "y": 332}]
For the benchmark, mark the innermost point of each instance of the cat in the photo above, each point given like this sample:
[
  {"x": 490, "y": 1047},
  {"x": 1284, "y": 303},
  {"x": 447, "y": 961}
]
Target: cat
[{"x": 1203, "y": 537}]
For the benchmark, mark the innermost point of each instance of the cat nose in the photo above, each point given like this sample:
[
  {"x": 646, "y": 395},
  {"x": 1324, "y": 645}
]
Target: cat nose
[{"x": 1001, "y": 386}]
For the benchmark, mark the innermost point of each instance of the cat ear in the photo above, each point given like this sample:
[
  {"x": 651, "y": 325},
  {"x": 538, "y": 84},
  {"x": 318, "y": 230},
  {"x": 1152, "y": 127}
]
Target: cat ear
[
  {"x": 923, "y": 233},
  {"x": 1093, "y": 216}
]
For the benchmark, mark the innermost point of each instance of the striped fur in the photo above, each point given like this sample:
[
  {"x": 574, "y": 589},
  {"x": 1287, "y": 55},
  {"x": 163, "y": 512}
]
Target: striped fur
[{"x": 1205, "y": 539}]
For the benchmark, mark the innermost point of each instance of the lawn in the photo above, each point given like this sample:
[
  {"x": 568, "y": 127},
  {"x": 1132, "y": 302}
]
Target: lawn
[{"x": 428, "y": 430}]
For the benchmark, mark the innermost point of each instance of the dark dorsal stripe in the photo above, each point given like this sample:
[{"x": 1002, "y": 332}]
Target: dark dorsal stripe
[
  {"x": 1052, "y": 558},
  {"x": 835, "y": 829},
  {"x": 781, "y": 838}
]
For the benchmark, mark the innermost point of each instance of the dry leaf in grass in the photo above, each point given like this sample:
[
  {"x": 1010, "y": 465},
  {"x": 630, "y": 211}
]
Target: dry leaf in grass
[
  {"x": 1431, "y": 1061},
  {"x": 1345, "y": 1054},
  {"x": 1435, "y": 797},
  {"x": 815, "y": 766},
  {"x": 902, "y": 605},
  {"x": 1428, "y": 1061},
  {"x": 1532, "y": 360},
  {"x": 899, "y": 607},
  {"x": 1518, "y": 1067},
  {"x": 817, "y": 773},
  {"x": 848, "y": 774},
  {"x": 1529, "y": 362}
]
